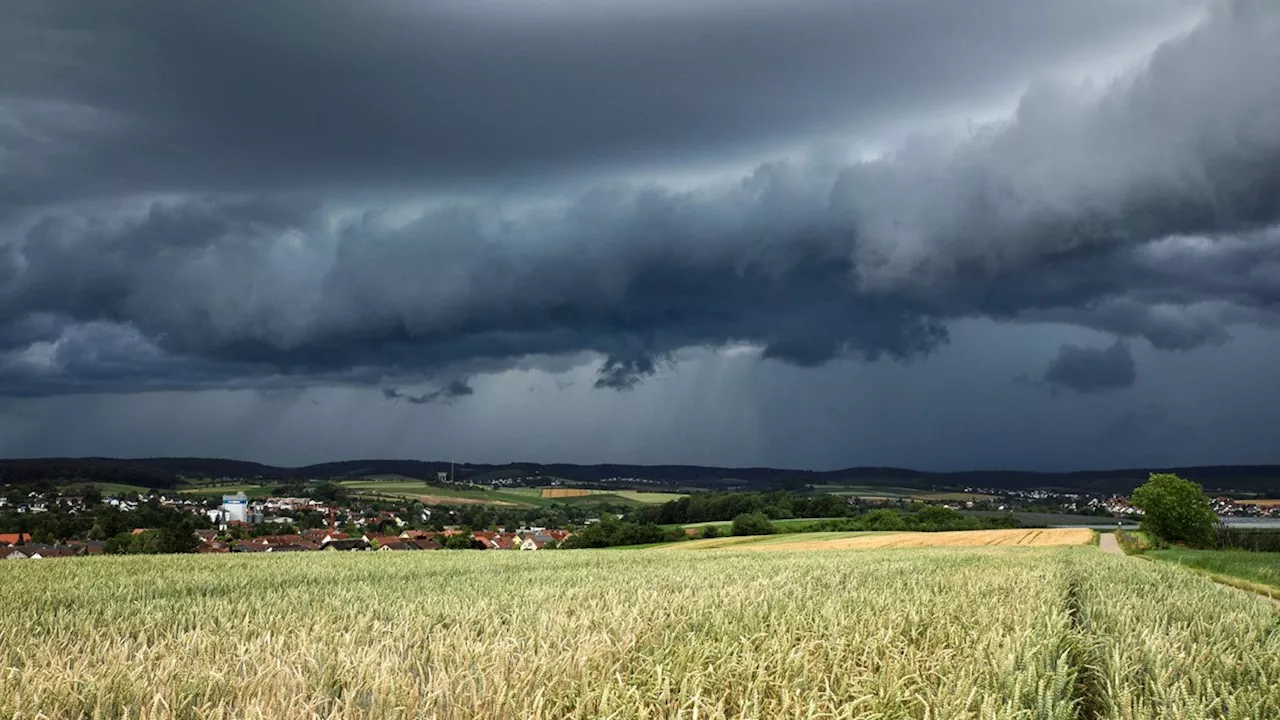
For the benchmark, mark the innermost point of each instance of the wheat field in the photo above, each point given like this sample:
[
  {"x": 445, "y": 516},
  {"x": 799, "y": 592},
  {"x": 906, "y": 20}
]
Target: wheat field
[
  {"x": 939, "y": 633},
  {"x": 964, "y": 538},
  {"x": 879, "y": 540},
  {"x": 564, "y": 492}
]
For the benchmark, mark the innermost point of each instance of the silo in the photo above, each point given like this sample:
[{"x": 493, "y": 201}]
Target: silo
[{"x": 235, "y": 508}]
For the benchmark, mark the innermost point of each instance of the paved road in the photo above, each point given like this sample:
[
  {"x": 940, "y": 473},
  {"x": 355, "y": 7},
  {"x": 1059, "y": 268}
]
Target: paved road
[{"x": 1107, "y": 541}]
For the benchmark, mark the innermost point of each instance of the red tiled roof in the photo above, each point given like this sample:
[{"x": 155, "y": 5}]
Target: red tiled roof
[
  {"x": 13, "y": 538},
  {"x": 280, "y": 539}
]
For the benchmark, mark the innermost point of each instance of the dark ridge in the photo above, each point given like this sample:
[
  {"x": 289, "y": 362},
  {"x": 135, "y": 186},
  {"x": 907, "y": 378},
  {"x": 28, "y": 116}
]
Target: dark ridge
[{"x": 164, "y": 472}]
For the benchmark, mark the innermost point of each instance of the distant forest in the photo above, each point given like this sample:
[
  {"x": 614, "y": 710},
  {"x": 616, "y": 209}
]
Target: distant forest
[{"x": 167, "y": 472}]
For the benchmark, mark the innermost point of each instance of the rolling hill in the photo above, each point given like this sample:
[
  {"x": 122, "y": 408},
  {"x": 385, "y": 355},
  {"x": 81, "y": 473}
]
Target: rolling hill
[{"x": 168, "y": 472}]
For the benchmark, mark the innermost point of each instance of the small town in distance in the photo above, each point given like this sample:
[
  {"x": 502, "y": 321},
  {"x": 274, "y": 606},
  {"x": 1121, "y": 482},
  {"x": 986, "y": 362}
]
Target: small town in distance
[{"x": 52, "y": 509}]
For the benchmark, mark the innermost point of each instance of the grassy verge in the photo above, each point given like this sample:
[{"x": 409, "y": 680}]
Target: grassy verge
[
  {"x": 1255, "y": 571},
  {"x": 1134, "y": 542}
]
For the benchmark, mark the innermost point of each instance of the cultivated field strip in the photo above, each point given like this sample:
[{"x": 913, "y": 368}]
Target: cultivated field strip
[
  {"x": 990, "y": 633},
  {"x": 967, "y": 538},
  {"x": 1170, "y": 644}
]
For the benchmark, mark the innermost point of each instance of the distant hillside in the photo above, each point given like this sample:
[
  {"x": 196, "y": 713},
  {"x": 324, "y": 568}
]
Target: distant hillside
[{"x": 166, "y": 472}]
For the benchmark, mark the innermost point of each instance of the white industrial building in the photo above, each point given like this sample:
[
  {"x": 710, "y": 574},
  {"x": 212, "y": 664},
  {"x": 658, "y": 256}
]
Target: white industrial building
[{"x": 235, "y": 508}]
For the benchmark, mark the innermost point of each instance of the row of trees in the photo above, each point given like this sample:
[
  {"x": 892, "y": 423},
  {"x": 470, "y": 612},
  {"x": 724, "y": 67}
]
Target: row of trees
[
  {"x": 705, "y": 507},
  {"x": 927, "y": 518},
  {"x": 612, "y": 532}
]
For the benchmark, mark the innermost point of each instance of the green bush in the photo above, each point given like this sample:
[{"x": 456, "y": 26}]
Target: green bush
[
  {"x": 1175, "y": 510},
  {"x": 1253, "y": 539},
  {"x": 752, "y": 524}
]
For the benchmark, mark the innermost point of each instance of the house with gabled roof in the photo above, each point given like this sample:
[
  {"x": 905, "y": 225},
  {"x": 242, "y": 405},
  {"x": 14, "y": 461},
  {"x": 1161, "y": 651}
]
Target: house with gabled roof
[
  {"x": 345, "y": 544},
  {"x": 320, "y": 535}
]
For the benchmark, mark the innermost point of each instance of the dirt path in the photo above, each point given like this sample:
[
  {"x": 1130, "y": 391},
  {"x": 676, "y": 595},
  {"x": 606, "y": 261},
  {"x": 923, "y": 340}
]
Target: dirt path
[{"x": 1107, "y": 541}]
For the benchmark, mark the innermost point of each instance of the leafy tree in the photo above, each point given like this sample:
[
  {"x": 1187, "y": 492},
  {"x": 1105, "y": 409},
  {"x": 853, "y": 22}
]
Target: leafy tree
[
  {"x": 752, "y": 524},
  {"x": 118, "y": 544},
  {"x": 882, "y": 519},
  {"x": 935, "y": 518},
  {"x": 92, "y": 495},
  {"x": 1175, "y": 510},
  {"x": 179, "y": 538},
  {"x": 329, "y": 491},
  {"x": 463, "y": 541},
  {"x": 291, "y": 488},
  {"x": 611, "y": 532},
  {"x": 710, "y": 531}
]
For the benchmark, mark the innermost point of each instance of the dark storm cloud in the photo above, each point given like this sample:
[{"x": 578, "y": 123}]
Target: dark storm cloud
[
  {"x": 1090, "y": 370},
  {"x": 1080, "y": 209},
  {"x": 632, "y": 275},
  {"x": 452, "y": 391},
  {"x": 163, "y": 96}
]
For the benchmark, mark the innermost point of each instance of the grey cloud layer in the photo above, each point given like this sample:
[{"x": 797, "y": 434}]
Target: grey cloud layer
[
  {"x": 1144, "y": 210},
  {"x": 1087, "y": 370},
  {"x": 162, "y": 96}
]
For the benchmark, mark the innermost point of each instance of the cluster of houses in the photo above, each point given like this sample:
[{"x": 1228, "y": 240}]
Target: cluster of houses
[
  {"x": 1227, "y": 507},
  {"x": 18, "y": 546},
  {"x": 409, "y": 540}
]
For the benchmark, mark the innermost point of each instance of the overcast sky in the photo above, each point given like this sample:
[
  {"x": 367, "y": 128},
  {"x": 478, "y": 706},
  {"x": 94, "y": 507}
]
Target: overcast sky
[{"x": 804, "y": 233}]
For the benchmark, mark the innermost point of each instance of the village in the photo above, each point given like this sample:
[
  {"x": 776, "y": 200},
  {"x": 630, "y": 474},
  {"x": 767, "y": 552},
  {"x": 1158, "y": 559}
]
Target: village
[{"x": 241, "y": 525}]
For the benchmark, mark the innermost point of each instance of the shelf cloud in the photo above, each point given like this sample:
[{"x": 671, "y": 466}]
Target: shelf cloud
[{"x": 289, "y": 195}]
